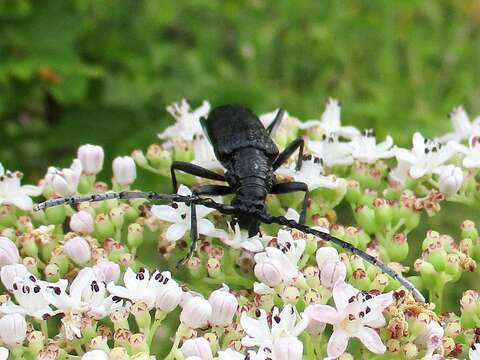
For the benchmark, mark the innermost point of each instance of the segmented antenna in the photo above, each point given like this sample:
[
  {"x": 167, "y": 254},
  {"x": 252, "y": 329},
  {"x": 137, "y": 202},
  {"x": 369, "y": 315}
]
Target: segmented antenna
[{"x": 228, "y": 209}]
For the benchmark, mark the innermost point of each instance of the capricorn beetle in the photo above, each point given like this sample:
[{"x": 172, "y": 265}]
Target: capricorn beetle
[{"x": 246, "y": 150}]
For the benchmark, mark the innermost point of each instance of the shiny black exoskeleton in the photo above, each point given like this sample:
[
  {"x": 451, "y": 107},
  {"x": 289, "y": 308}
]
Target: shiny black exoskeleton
[{"x": 245, "y": 148}]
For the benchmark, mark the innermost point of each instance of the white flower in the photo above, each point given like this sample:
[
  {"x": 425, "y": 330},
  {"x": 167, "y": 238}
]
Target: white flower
[
  {"x": 30, "y": 295},
  {"x": 288, "y": 348},
  {"x": 425, "y": 157},
  {"x": 124, "y": 170},
  {"x": 91, "y": 157},
  {"x": 311, "y": 173},
  {"x": 3, "y": 353},
  {"x": 13, "y": 329},
  {"x": 263, "y": 353},
  {"x": 474, "y": 352},
  {"x": 432, "y": 337},
  {"x": 224, "y": 305},
  {"x": 462, "y": 127},
  {"x": 11, "y": 192},
  {"x": 204, "y": 154},
  {"x": 331, "y": 151},
  {"x": 64, "y": 182},
  {"x": 179, "y": 215},
  {"x": 82, "y": 222},
  {"x": 238, "y": 239},
  {"x": 283, "y": 325},
  {"x": 400, "y": 173},
  {"x": 332, "y": 270},
  {"x": 198, "y": 346},
  {"x": 95, "y": 355},
  {"x": 283, "y": 258},
  {"x": 330, "y": 121},
  {"x": 450, "y": 179},
  {"x": 9, "y": 274},
  {"x": 8, "y": 252},
  {"x": 138, "y": 287},
  {"x": 472, "y": 152},
  {"x": 365, "y": 148},
  {"x": 188, "y": 122},
  {"x": 287, "y": 122},
  {"x": 196, "y": 311},
  {"x": 356, "y": 315},
  {"x": 78, "y": 250}
]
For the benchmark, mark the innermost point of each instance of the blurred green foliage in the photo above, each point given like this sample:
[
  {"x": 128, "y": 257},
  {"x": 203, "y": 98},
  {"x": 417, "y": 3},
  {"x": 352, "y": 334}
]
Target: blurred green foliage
[{"x": 102, "y": 71}]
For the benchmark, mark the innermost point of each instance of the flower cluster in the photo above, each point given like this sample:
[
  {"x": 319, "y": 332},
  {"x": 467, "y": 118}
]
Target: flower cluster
[{"x": 100, "y": 280}]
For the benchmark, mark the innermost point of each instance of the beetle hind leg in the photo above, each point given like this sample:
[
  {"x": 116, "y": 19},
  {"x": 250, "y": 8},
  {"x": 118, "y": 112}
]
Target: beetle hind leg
[{"x": 298, "y": 143}]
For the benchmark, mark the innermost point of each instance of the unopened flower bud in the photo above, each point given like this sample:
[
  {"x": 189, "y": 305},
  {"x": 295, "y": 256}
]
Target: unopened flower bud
[
  {"x": 82, "y": 222},
  {"x": 365, "y": 217},
  {"x": 450, "y": 179},
  {"x": 135, "y": 235},
  {"x": 224, "y": 305},
  {"x": 52, "y": 272},
  {"x": 169, "y": 294},
  {"x": 324, "y": 254},
  {"x": 214, "y": 267},
  {"x": 139, "y": 343},
  {"x": 107, "y": 271},
  {"x": 8, "y": 252},
  {"x": 95, "y": 355},
  {"x": 353, "y": 194},
  {"x": 8, "y": 273},
  {"x": 197, "y": 347},
  {"x": 469, "y": 230},
  {"x": 78, "y": 250},
  {"x": 332, "y": 272},
  {"x": 268, "y": 271},
  {"x": 35, "y": 341},
  {"x": 196, "y": 312},
  {"x": 288, "y": 348},
  {"x": 91, "y": 157},
  {"x": 13, "y": 329},
  {"x": 124, "y": 170},
  {"x": 104, "y": 226},
  {"x": 290, "y": 295}
]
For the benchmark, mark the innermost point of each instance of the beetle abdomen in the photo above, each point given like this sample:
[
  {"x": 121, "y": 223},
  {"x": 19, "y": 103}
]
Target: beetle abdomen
[{"x": 233, "y": 127}]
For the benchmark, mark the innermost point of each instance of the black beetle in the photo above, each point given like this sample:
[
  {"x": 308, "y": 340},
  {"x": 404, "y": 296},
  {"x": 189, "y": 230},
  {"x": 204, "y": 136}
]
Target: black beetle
[{"x": 245, "y": 148}]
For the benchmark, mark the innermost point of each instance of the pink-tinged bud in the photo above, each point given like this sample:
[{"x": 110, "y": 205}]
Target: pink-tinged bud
[
  {"x": 332, "y": 272},
  {"x": 107, "y": 271},
  {"x": 269, "y": 272},
  {"x": 65, "y": 182},
  {"x": 91, "y": 157},
  {"x": 196, "y": 312},
  {"x": 288, "y": 348},
  {"x": 325, "y": 254},
  {"x": 95, "y": 355},
  {"x": 124, "y": 170},
  {"x": 199, "y": 347},
  {"x": 433, "y": 336},
  {"x": 8, "y": 252},
  {"x": 13, "y": 329},
  {"x": 224, "y": 305},
  {"x": 82, "y": 222},
  {"x": 78, "y": 250},
  {"x": 450, "y": 180},
  {"x": 9, "y": 273},
  {"x": 169, "y": 294}
]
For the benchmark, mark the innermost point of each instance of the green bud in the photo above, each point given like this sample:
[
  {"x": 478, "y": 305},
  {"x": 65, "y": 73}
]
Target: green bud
[
  {"x": 142, "y": 315},
  {"x": 427, "y": 271},
  {"x": 9, "y": 233},
  {"x": 35, "y": 342},
  {"x": 312, "y": 276},
  {"x": 453, "y": 265},
  {"x": 417, "y": 281},
  {"x": 412, "y": 220},
  {"x": 46, "y": 251},
  {"x": 214, "y": 268},
  {"x": 32, "y": 266},
  {"x": 365, "y": 217},
  {"x": 30, "y": 248},
  {"x": 7, "y": 215},
  {"x": 380, "y": 282},
  {"x": 351, "y": 235},
  {"x": 52, "y": 272},
  {"x": 140, "y": 158},
  {"x": 438, "y": 258},
  {"x": 353, "y": 193},
  {"x": 131, "y": 213},
  {"x": 182, "y": 151},
  {"x": 55, "y": 215},
  {"x": 360, "y": 280},
  {"x": 383, "y": 211},
  {"x": 196, "y": 268},
  {"x": 135, "y": 235},
  {"x": 290, "y": 295},
  {"x": 104, "y": 226},
  {"x": 398, "y": 249},
  {"x": 469, "y": 230},
  {"x": 63, "y": 263}
]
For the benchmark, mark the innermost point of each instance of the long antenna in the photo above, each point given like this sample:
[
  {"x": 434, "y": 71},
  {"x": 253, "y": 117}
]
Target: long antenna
[{"x": 228, "y": 209}]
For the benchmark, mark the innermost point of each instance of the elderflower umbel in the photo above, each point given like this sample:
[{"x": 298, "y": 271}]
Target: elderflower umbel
[
  {"x": 356, "y": 315},
  {"x": 365, "y": 148}
]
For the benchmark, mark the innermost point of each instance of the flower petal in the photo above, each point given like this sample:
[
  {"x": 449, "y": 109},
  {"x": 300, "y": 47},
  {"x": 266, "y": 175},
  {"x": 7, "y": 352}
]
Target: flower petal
[
  {"x": 342, "y": 292},
  {"x": 337, "y": 344},
  {"x": 175, "y": 232},
  {"x": 323, "y": 313},
  {"x": 371, "y": 340},
  {"x": 22, "y": 202},
  {"x": 165, "y": 213}
]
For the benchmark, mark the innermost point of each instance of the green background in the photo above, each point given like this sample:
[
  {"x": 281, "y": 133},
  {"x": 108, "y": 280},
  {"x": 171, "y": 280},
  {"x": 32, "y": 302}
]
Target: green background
[{"x": 103, "y": 71}]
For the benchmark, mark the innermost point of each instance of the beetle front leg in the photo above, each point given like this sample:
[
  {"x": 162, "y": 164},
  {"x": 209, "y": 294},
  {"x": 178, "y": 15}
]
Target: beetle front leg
[
  {"x": 298, "y": 143},
  {"x": 193, "y": 235},
  {"x": 284, "y": 188}
]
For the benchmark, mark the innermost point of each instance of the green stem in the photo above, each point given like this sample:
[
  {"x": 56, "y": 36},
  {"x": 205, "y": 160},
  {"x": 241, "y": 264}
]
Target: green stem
[
  {"x": 44, "y": 329},
  {"x": 436, "y": 296},
  {"x": 178, "y": 335}
]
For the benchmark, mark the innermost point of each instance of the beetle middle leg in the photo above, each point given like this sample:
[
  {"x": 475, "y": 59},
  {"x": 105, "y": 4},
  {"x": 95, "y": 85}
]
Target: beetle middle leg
[
  {"x": 211, "y": 190},
  {"x": 284, "y": 188},
  {"x": 298, "y": 143},
  {"x": 192, "y": 169}
]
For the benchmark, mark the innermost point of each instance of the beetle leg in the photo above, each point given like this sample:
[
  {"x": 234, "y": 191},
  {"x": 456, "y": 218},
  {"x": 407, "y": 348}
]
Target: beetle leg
[
  {"x": 276, "y": 122},
  {"x": 284, "y": 188},
  {"x": 192, "y": 169},
  {"x": 289, "y": 150},
  {"x": 193, "y": 234}
]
